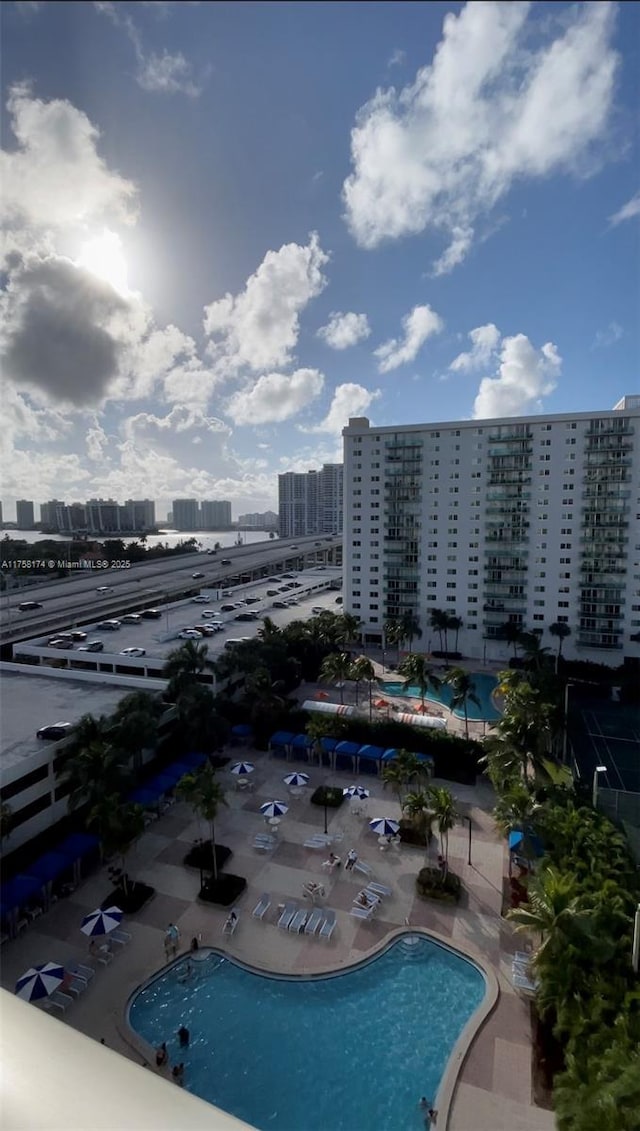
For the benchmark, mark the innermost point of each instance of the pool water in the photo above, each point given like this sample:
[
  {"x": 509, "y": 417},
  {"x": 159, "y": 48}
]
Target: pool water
[
  {"x": 347, "y": 1052},
  {"x": 485, "y": 685}
]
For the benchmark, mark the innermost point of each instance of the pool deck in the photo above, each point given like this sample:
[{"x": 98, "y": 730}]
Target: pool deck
[{"x": 494, "y": 1086}]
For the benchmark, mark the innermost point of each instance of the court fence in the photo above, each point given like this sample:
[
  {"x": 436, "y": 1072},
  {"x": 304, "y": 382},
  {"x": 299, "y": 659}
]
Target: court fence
[{"x": 623, "y": 808}]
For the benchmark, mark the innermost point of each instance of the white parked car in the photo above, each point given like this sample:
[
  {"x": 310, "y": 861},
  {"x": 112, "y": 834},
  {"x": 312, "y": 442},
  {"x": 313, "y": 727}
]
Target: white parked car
[
  {"x": 133, "y": 652},
  {"x": 317, "y": 609},
  {"x": 131, "y": 618},
  {"x": 201, "y": 599},
  {"x": 109, "y": 625},
  {"x": 190, "y": 634},
  {"x": 104, "y": 589}
]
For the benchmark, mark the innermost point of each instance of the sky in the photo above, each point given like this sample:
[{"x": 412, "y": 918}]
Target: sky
[{"x": 228, "y": 227}]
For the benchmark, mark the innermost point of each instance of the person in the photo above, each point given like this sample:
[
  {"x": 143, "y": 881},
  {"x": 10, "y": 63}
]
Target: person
[
  {"x": 363, "y": 900},
  {"x": 177, "y": 1073},
  {"x": 184, "y": 1036},
  {"x": 230, "y": 923},
  {"x": 172, "y": 937},
  {"x": 332, "y": 862},
  {"x": 195, "y": 945},
  {"x": 352, "y": 856},
  {"x": 162, "y": 1056},
  {"x": 431, "y": 1114},
  {"x": 185, "y": 972}
]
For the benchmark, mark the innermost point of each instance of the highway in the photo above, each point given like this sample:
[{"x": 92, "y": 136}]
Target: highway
[{"x": 75, "y": 599}]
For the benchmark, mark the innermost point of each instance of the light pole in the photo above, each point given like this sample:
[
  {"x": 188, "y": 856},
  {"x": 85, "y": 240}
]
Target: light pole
[
  {"x": 469, "y": 850},
  {"x": 594, "y": 791},
  {"x": 635, "y": 953}
]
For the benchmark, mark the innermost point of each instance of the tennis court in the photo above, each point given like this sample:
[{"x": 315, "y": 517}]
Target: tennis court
[{"x": 606, "y": 735}]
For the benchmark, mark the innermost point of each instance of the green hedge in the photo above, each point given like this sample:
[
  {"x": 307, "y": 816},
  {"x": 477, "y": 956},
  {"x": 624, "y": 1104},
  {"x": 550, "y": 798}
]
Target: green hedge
[{"x": 430, "y": 884}]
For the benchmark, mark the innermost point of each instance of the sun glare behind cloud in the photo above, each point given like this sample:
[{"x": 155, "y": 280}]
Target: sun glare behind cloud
[{"x": 103, "y": 256}]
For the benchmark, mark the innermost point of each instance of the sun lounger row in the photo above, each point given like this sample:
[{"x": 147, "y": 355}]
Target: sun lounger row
[
  {"x": 263, "y": 842},
  {"x": 378, "y": 889},
  {"x": 319, "y": 922},
  {"x": 319, "y": 840},
  {"x": 521, "y": 982},
  {"x": 262, "y": 906},
  {"x": 362, "y": 866}
]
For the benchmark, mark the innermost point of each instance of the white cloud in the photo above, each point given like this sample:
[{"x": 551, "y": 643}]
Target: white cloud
[
  {"x": 461, "y": 240},
  {"x": 627, "y": 212},
  {"x": 490, "y": 108},
  {"x": 275, "y": 397},
  {"x": 417, "y": 326},
  {"x": 158, "y": 72},
  {"x": 397, "y": 57},
  {"x": 524, "y": 375},
  {"x": 348, "y": 400},
  {"x": 259, "y": 327},
  {"x": 97, "y": 441},
  {"x": 344, "y": 330},
  {"x": 607, "y": 337},
  {"x": 484, "y": 341},
  {"x": 55, "y": 177}
]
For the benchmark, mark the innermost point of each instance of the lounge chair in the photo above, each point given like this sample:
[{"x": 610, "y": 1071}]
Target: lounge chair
[
  {"x": 121, "y": 938},
  {"x": 328, "y": 926},
  {"x": 75, "y": 987},
  {"x": 523, "y": 956},
  {"x": 57, "y": 1000},
  {"x": 261, "y": 907},
  {"x": 318, "y": 841},
  {"x": 378, "y": 889},
  {"x": 525, "y": 984},
  {"x": 231, "y": 923},
  {"x": 286, "y": 915},
  {"x": 81, "y": 971},
  {"x": 362, "y": 913},
  {"x": 104, "y": 958},
  {"x": 362, "y": 866},
  {"x": 313, "y": 922},
  {"x": 298, "y": 922},
  {"x": 264, "y": 843}
]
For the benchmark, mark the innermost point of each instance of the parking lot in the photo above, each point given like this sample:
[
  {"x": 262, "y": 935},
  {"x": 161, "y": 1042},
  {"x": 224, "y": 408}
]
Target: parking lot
[{"x": 160, "y": 636}]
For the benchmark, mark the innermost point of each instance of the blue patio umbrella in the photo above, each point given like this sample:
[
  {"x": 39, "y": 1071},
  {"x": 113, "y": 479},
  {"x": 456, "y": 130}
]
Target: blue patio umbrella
[
  {"x": 296, "y": 779},
  {"x": 243, "y": 768},
  {"x": 40, "y": 981},
  {"x": 358, "y": 791},
  {"x": 525, "y": 843},
  {"x": 101, "y": 922},
  {"x": 274, "y": 809},
  {"x": 384, "y": 826}
]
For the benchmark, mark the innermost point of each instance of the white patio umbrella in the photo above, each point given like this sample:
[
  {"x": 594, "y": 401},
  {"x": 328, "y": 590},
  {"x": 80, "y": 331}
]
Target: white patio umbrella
[
  {"x": 40, "y": 981},
  {"x": 384, "y": 826},
  {"x": 274, "y": 809},
  {"x": 243, "y": 768},
  {"x": 101, "y": 922},
  {"x": 296, "y": 779},
  {"x": 358, "y": 791}
]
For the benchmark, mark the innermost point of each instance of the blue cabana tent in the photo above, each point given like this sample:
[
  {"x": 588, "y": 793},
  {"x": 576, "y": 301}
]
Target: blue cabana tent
[
  {"x": 50, "y": 866},
  {"x": 280, "y": 742},
  {"x": 390, "y": 754},
  {"x": 193, "y": 761},
  {"x": 145, "y": 795},
  {"x": 17, "y": 892},
  {"x": 346, "y": 751},
  {"x": 242, "y": 730},
  {"x": 162, "y": 784},
  {"x": 168, "y": 773},
  {"x": 302, "y": 745},
  {"x": 327, "y": 748},
  {"x": 78, "y": 845},
  {"x": 371, "y": 756}
]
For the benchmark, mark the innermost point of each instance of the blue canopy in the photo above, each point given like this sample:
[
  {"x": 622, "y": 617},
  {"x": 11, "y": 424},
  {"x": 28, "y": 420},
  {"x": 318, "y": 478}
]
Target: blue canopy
[
  {"x": 145, "y": 795},
  {"x": 18, "y": 891},
  {"x": 50, "y": 866},
  {"x": 176, "y": 770},
  {"x": 242, "y": 730},
  {"x": 533, "y": 843},
  {"x": 77, "y": 845},
  {"x": 162, "y": 784},
  {"x": 193, "y": 761},
  {"x": 302, "y": 741},
  {"x": 390, "y": 754},
  {"x": 349, "y": 748},
  {"x": 281, "y": 738},
  {"x": 329, "y": 744},
  {"x": 373, "y": 753}
]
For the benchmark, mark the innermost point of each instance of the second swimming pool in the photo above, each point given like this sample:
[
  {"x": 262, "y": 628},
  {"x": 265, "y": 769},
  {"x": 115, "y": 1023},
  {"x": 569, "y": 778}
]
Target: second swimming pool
[{"x": 484, "y": 687}]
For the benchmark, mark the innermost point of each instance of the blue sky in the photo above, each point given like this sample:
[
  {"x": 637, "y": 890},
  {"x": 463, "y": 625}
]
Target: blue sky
[{"x": 228, "y": 227}]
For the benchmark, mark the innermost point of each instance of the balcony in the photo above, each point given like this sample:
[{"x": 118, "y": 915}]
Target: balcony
[
  {"x": 509, "y": 437},
  {"x": 611, "y": 428},
  {"x": 598, "y": 640}
]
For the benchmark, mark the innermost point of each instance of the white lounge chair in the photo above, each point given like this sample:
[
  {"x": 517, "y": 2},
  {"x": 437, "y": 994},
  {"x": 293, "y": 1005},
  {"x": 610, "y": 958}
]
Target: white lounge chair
[
  {"x": 121, "y": 938},
  {"x": 319, "y": 841},
  {"x": 81, "y": 971},
  {"x": 524, "y": 984},
  {"x": 378, "y": 889},
  {"x": 328, "y": 926},
  {"x": 313, "y": 922},
  {"x": 57, "y": 1000},
  {"x": 75, "y": 987},
  {"x": 264, "y": 843},
  {"x": 523, "y": 956},
  {"x": 362, "y": 866},
  {"x": 261, "y": 907},
  {"x": 298, "y": 922},
  {"x": 287, "y": 914},
  {"x": 104, "y": 958},
  {"x": 362, "y": 913},
  {"x": 231, "y": 923}
]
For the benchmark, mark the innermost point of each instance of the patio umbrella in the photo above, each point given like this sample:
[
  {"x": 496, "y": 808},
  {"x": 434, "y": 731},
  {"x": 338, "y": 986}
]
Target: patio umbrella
[
  {"x": 384, "y": 826},
  {"x": 101, "y": 922},
  {"x": 358, "y": 791},
  {"x": 380, "y": 703},
  {"x": 274, "y": 809},
  {"x": 40, "y": 981},
  {"x": 243, "y": 768},
  {"x": 422, "y": 709},
  {"x": 296, "y": 779},
  {"x": 321, "y": 695}
]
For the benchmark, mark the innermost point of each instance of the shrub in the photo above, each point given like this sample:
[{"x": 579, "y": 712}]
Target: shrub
[
  {"x": 327, "y": 795},
  {"x": 201, "y": 856},
  {"x": 135, "y": 897},
  {"x": 431, "y": 884},
  {"x": 224, "y": 891},
  {"x": 411, "y": 832}
]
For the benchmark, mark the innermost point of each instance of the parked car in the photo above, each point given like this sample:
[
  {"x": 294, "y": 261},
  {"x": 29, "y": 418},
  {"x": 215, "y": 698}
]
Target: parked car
[
  {"x": 317, "y": 609},
  {"x": 131, "y": 618},
  {"x": 92, "y": 646},
  {"x": 108, "y": 625},
  {"x": 297, "y": 585},
  {"x": 209, "y": 613},
  {"x": 58, "y": 642},
  {"x": 151, "y": 614},
  {"x": 253, "y": 600},
  {"x": 226, "y": 561},
  {"x": 76, "y": 634},
  {"x": 205, "y": 629},
  {"x": 294, "y": 547},
  {"x": 228, "y": 608},
  {"x": 288, "y": 576},
  {"x": 246, "y": 616},
  {"x": 26, "y": 606},
  {"x": 197, "y": 575},
  {"x": 55, "y": 730},
  {"x": 190, "y": 634},
  {"x": 201, "y": 599},
  {"x": 104, "y": 589},
  {"x": 278, "y": 605},
  {"x": 133, "y": 652},
  {"x": 212, "y": 551},
  {"x": 272, "y": 592},
  {"x": 339, "y": 600}
]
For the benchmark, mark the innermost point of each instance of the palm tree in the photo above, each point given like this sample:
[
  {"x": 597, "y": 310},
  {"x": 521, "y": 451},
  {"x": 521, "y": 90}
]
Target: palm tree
[
  {"x": 348, "y": 629},
  {"x": 415, "y": 670},
  {"x": 516, "y": 808},
  {"x": 268, "y": 630},
  {"x": 263, "y": 694},
  {"x": 512, "y": 633},
  {"x": 93, "y": 772},
  {"x": 561, "y": 630},
  {"x": 135, "y": 722},
  {"x": 445, "y": 815},
  {"x": 394, "y": 634},
  {"x": 200, "y": 726},
  {"x": 534, "y": 653},
  {"x": 118, "y": 826},
  {"x": 184, "y": 665},
  {"x": 363, "y": 669},
  {"x": 411, "y": 626},
  {"x": 402, "y": 770},
  {"x": 439, "y": 620},
  {"x": 418, "y": 808},
  {"x": 336, "y": 668},
  {"x": 552, "y": 911},
  {"x": 463, "y": 692},
  {"x": 206, "y": 795},
  {"x": 455, "y": 624}
]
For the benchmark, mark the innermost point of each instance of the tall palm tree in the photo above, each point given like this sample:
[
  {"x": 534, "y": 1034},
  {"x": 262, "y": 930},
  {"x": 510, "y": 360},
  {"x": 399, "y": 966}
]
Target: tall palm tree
[
  {"x": 512, "y": 633},
  {"x": 439, "y": 620},
  {"x": 184, "y": 665},
  {"x": 268, "y": 630},
  {"x": 534, "y": 652},
  {"x": 411, "y": 625},
  {"x": 264, "y": 695},
  {"x": 135, "y": 722},
  {"x": 455, "y": 624},
  {"x": 552, "y": 911},
  {"x": 118, "y": 825},
  {"x": 363, "y": 669},
  {"x": 206, "y": 795},
  {"x": 96, "y": 771},
  {"x": 402, "y": 770},
  {"x": 201, "y": 727},
  {"x": 417, "y": 806},
  {"x": 445, "y": 815},
  {"x": 336, "y": 668},
  {"x": 348, "y": 629},
  {"x": 516, "y": 808},
  {"x": 394, "y": 634},
  {"x": 415, "y": 669},
  {"x": 463, "y": 692},
  {"x": 561, "y": 631}
]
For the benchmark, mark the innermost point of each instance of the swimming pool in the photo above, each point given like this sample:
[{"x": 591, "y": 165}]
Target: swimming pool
[
  {"x": 340, "y": 1052},
  {"x": 485, "y": 685}
]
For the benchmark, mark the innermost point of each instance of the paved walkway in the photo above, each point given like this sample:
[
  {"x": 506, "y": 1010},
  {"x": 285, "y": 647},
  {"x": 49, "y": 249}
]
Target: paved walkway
[{"x": 494, "y": 1088}]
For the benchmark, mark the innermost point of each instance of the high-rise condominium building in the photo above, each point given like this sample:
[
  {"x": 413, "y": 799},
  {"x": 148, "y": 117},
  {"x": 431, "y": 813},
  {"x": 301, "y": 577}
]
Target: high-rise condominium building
[
  {"x": 531, "y": 521},
  {"x": 140, "y": 514},
  {"x": 103, "y": 516},
  {"x": 260, "y": 519},
  {"x": 185, "y": 514},
  {"x": 24, "y": 514},
  {"x": 215, "y": 514},
  {"x": 311, "y": 502}
]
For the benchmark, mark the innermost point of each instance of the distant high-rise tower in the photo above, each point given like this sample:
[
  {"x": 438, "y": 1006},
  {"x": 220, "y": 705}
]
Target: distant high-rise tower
[
  {"x": 185, "y": 514},
  {"x": 311, "y": 502},
  {"x": 215, "y": 514},
  {"x": 24, "y": 514}
]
